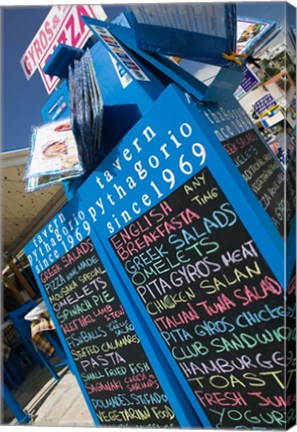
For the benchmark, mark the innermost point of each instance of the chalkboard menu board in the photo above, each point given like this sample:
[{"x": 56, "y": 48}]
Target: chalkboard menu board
[
  {"x": 214, "y": 300},
  {"x": 291, "y": 186},
  {"x": 115, "y": 370},
  {"x": 291, "y": 351},
  {"x": 263, "y": 174}
]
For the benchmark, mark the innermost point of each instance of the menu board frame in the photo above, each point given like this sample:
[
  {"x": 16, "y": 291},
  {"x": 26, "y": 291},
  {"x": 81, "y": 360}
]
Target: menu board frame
[
  {"x": 175, "y": 113},
  {"x": 68, "y": 229}
]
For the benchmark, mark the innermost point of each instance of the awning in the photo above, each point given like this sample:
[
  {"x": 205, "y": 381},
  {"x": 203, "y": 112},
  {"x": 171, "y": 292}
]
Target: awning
[{"x": 23, "y": 214}]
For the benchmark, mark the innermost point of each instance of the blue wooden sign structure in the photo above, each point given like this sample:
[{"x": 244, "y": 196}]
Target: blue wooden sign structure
[
  {"x": 201, "y": 32},
  {"x": 200, "y": 256},
  {"x": 224, "y": 84},
  {"x": 187, "y": 219},
  {"x": 123, "y": 376}
]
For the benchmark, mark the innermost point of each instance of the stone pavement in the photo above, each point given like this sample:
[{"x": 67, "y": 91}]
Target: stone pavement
[{"x": 50, "y": 402}]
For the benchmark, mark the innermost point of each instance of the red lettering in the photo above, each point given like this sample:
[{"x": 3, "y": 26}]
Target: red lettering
[
  {"x": 27, "y": 65},
  {"x": 49, "y": 30},
  {"x": 37, "y": 48},
  {"x": 43, "y": 39},
  {"x": 74, "y": 37},
  {"x": 292, "y": 286},
  {"x": 70, "y": 25},
  {"x": 270, "y": 285},
  {"x": 31, "y": 55},
  {"x": 81, "y": 11},
  {"x": 56, "y": 21}
]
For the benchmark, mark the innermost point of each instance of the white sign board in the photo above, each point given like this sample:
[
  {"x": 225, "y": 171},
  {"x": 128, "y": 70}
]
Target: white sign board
[{"x": 63, "y": 25}]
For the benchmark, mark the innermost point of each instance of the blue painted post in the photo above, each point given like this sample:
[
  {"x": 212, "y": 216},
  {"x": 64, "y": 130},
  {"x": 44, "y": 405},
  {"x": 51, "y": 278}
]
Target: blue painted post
[{"x": 14, "y": 406}]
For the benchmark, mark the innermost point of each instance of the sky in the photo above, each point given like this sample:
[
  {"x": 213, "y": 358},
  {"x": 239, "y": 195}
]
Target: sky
[{"x": 23, "y": 100}]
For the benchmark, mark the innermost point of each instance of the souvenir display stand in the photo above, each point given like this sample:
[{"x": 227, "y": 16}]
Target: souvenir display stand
[{"x": 164, "y": 273}]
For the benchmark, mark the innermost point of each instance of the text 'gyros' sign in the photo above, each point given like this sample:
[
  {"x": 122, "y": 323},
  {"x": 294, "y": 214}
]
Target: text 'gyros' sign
[{"x": 62, "y": 25}]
